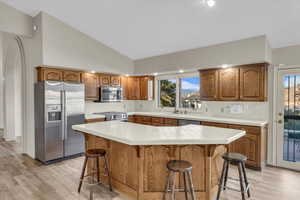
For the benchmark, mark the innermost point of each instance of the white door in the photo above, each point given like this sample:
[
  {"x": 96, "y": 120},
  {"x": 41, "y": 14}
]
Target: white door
[{"x": 288, "y": 119}]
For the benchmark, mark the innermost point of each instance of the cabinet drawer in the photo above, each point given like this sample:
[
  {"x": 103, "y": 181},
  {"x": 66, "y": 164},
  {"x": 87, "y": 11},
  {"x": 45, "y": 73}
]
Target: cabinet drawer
[
  {"x": 146, "y": 119},
  {"x": 157, "y": 120},
  {"x": 220, "y": 125},
  {"x": 157, "y": 124},
  {"x": 171, "y": 122},
  {"x": 248, "y": 129}
]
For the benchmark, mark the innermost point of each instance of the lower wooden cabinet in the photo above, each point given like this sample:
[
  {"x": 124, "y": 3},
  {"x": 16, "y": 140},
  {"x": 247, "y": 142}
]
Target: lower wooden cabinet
[
  {"x": 220, "y": 125},
  {"x": 154, "y": 121}
]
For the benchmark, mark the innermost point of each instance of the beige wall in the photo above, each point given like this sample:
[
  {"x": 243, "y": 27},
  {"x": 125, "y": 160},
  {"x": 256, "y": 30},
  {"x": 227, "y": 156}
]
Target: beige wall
[
  {"x": 287, "y": 55},
  {"x": 1, "y": 85},
  {"x": 65, "y": 46},
  {"x": 14, "y": 21},
  {"x": 251, "y": 50}
]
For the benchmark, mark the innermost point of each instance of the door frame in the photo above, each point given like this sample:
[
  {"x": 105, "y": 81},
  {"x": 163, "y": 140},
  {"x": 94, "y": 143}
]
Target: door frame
[{"x": 277, "y": 103}]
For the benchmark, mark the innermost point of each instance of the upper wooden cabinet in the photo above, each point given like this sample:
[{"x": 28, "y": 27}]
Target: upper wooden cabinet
[
  {"x": 209, "y": 84},
  {"x": 115, "y": 80},
  {"x": 124, "y": 84},
  {"x": 229, "y": 84},
  {"x": 253, "y": 82},
  {"x": 72, "y": 76},
  {"x": 240, "y": 83},
  {"x": 49, "y": 74},
  {"x": 133, "y": 88},
  {"x": 91, "y": 82},
  {"x": 52, "y": 74},
  {"x": 104, "y": 79},
  {"x": 146, "y": 87}
]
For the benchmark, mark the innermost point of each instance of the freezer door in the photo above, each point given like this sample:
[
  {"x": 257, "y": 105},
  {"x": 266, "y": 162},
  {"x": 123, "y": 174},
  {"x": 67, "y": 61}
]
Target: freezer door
[
  {"x": 74, "y": 114},
  {"x": 53, "y": 133}
]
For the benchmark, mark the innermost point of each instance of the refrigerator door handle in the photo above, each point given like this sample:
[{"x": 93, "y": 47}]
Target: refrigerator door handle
[
  {"x": 65, "y": 117},
  {"x": 62, "y": 114}
]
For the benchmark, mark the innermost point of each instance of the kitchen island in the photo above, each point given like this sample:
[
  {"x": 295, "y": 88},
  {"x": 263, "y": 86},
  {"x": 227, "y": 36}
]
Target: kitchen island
[{"x": 138, "y": 155}]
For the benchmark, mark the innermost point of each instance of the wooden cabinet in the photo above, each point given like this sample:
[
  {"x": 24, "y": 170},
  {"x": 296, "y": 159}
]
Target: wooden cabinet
[
  {"x": 115, "y": 80},
  {"x": 133, "y": 88},
  {"x": 146, "y": 87},
  {"x": 49, "y": 74},
  {"x": 239, "y": 83},
  {"x": 72, "y": 76},
  {"x": 124, "y": 85},
  {"x": 91, "y": 82},
  {"x": 253, "y": 82},
  {"x": 94, "y": 120},
  {"x": 171, "y": 122},
  {"x": 229, "y": 84},
  {"x": 155, "y": 171},
  {"x": 104, "y": 79},
  {"x": 209, "y": 84},
  {"x": 253, "y": 145},
  {"x": 220, "y": 125}
]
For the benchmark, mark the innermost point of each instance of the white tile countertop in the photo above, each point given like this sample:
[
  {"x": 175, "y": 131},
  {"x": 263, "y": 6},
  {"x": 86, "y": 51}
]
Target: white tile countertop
[
  {"x": 137, "y": 134},
  {"x": 94, "y": 116},
  {"x": 203, "y": 118}
]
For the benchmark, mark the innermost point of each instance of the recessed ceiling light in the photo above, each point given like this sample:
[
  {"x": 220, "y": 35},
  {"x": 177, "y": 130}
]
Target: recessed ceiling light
[
  {"x": 211, "y": 3},
  {"x": 126, "y": 74},
  {"x": 181, "y": 71},
  {"x": 225, "y": 66},
  {"x": 93, "y": 71},
  {"x": 155, "y": 74}
]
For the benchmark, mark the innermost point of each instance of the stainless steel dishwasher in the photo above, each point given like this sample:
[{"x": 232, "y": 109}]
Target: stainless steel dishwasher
[{"x": 183, "y": 122}]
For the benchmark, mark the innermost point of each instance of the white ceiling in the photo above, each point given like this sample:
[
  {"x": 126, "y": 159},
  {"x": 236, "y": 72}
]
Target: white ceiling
[{"x": 143, "y": 28}]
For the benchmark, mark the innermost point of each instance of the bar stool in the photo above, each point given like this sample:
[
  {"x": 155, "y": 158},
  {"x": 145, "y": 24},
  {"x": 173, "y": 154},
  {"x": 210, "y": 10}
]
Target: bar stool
[
  {"x": 95, "y": 154},
  {"x": 239, "y": 160},
  {"x": 184, "y": 168}
]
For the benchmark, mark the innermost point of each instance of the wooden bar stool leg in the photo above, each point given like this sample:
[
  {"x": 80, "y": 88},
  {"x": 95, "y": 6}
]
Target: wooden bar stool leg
[
  {"x": 98, "y": 169},
  {"x": 241, "y": 181},
  {"x": 226, "y": 176},
  {"x": 185, "y": 186},
  {"x": 108, "y": 173},
  {"x": 221, "y": 186},
  {"x": 173, "y": 186},
  {"x": 246, "y": 179},
  {"x": 167, "y": 187},
  {"x": 191, "y": 185},
  {"x": 82, "y": 173}
]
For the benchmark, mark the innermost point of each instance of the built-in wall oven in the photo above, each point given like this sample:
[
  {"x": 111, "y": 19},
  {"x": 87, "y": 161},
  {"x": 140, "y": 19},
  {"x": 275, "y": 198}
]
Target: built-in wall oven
[{"x": 111, "y": 94}]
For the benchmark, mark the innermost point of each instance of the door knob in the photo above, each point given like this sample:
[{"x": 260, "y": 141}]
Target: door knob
[
  {"x": 279, "y": 121},
  {"x": 280, "y": 114}
]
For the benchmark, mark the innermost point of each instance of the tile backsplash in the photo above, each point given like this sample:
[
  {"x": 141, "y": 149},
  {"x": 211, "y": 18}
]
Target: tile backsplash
[{"x": 242, "y": 110}]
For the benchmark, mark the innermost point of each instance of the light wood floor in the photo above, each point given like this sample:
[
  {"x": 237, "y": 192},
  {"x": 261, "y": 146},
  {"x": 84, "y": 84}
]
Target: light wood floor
[{"x": 22, "y": 178}]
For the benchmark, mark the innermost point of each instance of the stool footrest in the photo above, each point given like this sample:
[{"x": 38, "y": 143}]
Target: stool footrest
[{"x": 237, "y": 190}]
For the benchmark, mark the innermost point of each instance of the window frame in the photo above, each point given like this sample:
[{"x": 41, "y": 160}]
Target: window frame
[{"x": 177, "y": 77}]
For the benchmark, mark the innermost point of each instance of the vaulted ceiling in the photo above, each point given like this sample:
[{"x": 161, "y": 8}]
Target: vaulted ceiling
[{"x": 143, "y": 28}]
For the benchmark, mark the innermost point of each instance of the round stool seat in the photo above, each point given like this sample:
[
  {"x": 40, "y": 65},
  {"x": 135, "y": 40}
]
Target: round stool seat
[
  {"x": 234, "y": 157},
  {"x": 95, "y": 152},
  {"x": 179, "y": 165}
]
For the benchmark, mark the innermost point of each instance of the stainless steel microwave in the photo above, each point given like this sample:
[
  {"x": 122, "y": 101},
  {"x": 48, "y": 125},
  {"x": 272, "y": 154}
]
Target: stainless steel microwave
[{"x": 111, "y": 94}]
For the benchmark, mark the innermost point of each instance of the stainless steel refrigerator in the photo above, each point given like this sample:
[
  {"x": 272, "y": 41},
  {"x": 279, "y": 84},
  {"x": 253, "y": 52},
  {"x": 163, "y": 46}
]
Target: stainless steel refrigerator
[{"x": 58, "y": 106}]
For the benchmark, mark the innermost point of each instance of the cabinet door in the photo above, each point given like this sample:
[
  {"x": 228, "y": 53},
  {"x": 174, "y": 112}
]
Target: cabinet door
[
  {"x": 124, "y": 84},
  {"x": 195, "y": 154},
  {"x": 209, "y": 84},
  {"x": 72, "y": 76},
  {"x": 253, "y": 83},
  {"x": 155, "y": 171},
  {"x": 115, "y": 80},
  {"x": 144, "y": 88},
  {"x": 134, "y": 88},
  {"x": 91, "y": 83},
  {"x": 104, "y": 79},
  {"x": 247, "y": 145},
  {"x": 171, "y": 122},
  {"x": 229, "y": 84},
  {"x": 49, "y": 74}
]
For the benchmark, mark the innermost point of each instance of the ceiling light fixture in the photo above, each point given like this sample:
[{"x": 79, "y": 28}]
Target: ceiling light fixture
[
  {"x": 93, "y": 71},
  {"x": 181, "y": 71},
  {"x": 127, "y": 75},
  {"x": 224, "y": 66},
  {"x": 155, "y": 74},
  {"x": 211, "y": 3}
]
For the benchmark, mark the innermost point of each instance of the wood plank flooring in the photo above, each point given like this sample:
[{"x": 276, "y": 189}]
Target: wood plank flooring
[{"x": 22, "y": 178}]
